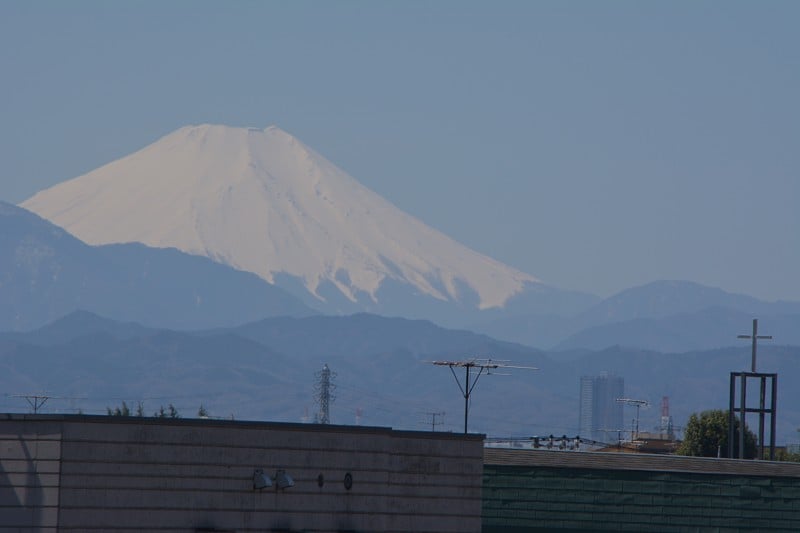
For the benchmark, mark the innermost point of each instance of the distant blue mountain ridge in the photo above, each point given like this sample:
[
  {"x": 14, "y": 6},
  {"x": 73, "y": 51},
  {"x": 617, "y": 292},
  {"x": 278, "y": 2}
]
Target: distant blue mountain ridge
[
  {"x": 265, "y": 370},
  {"x": 46, "y": 273},
  {"x": 669, "y": 316}
]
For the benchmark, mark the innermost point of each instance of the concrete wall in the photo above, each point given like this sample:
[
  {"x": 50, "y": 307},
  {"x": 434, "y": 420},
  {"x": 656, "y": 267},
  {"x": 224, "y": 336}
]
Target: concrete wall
[
  {"x": 164, "y": 475},
  {"x": 30, "y": 457},
  {"x": 550, "y": 491}
]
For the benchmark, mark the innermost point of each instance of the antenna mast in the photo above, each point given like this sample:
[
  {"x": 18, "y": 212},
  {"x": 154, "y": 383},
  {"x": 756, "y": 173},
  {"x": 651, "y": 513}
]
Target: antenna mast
[
  {"x": 37, "y": 401},
  {"x": 433, "y": 422},
  {"x": 638, "y": 404},
  {"x": 480, "y": 365}
]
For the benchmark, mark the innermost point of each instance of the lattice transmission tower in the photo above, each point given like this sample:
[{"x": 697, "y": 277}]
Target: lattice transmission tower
[{"x": 323, "y": 394}]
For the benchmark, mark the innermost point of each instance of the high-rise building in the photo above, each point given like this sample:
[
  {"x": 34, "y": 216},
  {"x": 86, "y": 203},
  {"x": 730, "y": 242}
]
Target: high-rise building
[{"x": 599, "y": 411}]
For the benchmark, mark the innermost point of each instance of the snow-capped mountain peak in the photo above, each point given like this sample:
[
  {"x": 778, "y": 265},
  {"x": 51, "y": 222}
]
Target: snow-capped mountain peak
[{"x": 264, "y": 202}]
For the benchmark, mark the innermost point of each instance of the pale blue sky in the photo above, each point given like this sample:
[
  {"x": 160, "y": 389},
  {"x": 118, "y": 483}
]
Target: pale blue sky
[{"x": 596, "y": 145}]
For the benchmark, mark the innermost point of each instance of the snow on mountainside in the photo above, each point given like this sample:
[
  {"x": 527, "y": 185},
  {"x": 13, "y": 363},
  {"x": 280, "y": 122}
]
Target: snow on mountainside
[{"x": 263, "y": 202}]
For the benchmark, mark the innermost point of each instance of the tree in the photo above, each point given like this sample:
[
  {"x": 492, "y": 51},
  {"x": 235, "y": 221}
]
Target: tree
[
  {"x": 706, "y": 435},
  {"x": 123, "y": 410},
  {"x": 786, "y": 455},
  {"x": 170, "y": 412}
]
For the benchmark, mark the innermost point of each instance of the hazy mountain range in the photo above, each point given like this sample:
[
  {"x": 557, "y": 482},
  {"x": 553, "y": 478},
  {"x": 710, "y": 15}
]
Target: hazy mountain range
[
  {"x": 265, "y": 370},
  {"x": 673, "y": 316}
]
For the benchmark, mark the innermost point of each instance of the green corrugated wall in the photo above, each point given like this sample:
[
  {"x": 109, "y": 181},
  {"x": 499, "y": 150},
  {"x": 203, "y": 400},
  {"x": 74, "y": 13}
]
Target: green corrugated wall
[{"x": 527, "y": 498}]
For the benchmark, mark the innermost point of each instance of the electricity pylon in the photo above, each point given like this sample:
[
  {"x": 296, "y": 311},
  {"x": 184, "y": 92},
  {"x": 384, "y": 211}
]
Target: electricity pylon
[{"x": 323, "y": 393}]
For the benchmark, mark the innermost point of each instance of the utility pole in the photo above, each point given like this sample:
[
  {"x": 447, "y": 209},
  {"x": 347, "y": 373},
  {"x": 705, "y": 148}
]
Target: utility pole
[{"x": 482, "y": 365}]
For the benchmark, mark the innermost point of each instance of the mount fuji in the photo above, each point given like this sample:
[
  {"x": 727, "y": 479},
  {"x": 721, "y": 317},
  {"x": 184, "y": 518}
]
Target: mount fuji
[{"x": 263, "y": 202}]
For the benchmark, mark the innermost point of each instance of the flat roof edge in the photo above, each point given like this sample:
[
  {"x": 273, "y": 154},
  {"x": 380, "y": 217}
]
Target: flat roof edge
[
  {"x": 639, "y": 462},
  {"x": 253, "y": 424}
]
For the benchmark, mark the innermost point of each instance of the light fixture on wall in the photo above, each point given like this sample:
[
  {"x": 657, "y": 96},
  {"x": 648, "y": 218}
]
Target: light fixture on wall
[
  {"x": 261, "y": 480},
  {"x": 283, "y": 480}
]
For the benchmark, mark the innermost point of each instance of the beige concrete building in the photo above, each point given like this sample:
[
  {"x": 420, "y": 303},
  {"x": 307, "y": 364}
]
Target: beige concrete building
[{"x": 100, "y": 473}]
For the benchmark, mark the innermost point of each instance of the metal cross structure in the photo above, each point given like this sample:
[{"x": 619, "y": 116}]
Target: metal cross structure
[
  {"x": 743, "y": 409},
  {"x": 482, "y": 365},
  {"x": 755, "y": 336}
]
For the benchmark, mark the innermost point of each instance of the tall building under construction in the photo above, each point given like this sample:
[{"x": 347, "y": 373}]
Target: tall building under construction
[{"x": 599, "y": 411}]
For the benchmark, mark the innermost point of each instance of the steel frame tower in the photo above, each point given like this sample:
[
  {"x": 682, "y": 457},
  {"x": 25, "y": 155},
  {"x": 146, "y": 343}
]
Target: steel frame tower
[
  {"x": 762, "y": 409},
  {"x": 324, "y": 393}
]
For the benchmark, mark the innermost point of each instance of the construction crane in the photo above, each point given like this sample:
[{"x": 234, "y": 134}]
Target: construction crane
[
  {"x": 638, "y": 404},
  {"x": 482, "y": 365}
]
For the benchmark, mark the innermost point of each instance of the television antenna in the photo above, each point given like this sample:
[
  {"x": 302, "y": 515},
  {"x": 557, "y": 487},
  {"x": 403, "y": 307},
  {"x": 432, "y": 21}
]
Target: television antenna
[
  {"x": 638, "y": 404},
  {"x": 432, "y": 419},
  {"x": 481, "y": 365},
  {"x": 37, "y": 401}
]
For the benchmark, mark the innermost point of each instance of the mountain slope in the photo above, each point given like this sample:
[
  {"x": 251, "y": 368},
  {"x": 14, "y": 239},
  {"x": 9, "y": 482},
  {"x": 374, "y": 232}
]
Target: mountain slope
[
  {"x": 76, "y": 325},
  {"x": 46, "y": 273},
  {"x": 705, "y": 330},
  {"x": 667, "y": 316},
  {"x": 366, "y": 334},
  {"x": 263, "y": 202},
  {"x": 665, "y": 298},
  {"x": 156, "y": 367}
]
